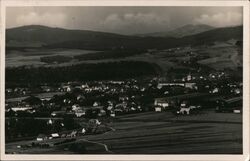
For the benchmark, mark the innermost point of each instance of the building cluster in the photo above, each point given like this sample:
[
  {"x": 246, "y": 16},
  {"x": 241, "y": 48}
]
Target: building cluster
[{"x": 112, "y": 98}]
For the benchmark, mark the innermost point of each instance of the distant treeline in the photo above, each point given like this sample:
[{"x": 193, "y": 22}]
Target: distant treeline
[
  {"x": 81, "y": 72},
  {"x": 113, "y": 54},
  {"x": 55, "y": 59}
]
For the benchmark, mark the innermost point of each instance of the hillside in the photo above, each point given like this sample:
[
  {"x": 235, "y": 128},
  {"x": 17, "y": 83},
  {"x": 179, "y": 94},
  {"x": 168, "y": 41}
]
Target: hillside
[
  {"x": 186, "y": 30},
  {"x": 48, "y": 35},
  {"x": 41, "y": 36},
  {"x": 219, "y": 34}
]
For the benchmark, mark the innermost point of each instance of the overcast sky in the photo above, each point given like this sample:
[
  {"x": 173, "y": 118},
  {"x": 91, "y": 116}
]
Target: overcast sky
[{"x": 123, "y": 20}]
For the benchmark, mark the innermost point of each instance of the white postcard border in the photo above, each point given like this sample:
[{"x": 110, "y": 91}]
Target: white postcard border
[{"x": 246, "y": 63}]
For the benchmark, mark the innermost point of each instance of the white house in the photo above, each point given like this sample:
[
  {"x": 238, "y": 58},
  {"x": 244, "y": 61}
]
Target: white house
[
  {"x": 83, "y": 131},
  {"x": 110, "y": 107},
  {"x": 55, "y": 135},
  {"x": 75, "y": 107},
  {"x": 189, "y": 77},
  {"x": 96, "y": 104},
  {"x": 215, "y": 90},
  {"x": 21, "y": 108},
  {"x": 161, "y": 103},
  {"x": 80, "y": 113},
  {"x": 160, "y": 85},
  {"x": 41, "y": 137},
  {"x": 158, "y": 109},
  {"x": 50, "y": 122},
  {"x": 112, "y": 114}
]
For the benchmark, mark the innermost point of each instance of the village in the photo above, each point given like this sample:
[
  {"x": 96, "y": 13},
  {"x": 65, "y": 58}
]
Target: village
[
  {"x": 111, "y": 98},
  {"x": 52, "y": 116},
  {"x": 72, "y": 109},
  {"x": 64, "y": 114}
]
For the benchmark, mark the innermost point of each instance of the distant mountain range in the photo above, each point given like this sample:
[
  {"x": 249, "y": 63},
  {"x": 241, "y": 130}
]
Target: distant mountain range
[
  {"x": 47, "y": 37},
  {"x": 181, "y": 31}
]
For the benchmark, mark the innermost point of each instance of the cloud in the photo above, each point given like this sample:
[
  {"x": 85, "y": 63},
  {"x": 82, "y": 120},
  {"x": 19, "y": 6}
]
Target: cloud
[
  {"x": 48, "y": 19},
  {"x": 220, "y": 19},
  {"x": 135, "y": 21}
]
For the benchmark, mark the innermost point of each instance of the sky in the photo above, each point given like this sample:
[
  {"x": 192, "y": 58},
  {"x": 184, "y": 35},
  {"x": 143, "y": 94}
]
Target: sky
[{"x": 123, "y": 20}]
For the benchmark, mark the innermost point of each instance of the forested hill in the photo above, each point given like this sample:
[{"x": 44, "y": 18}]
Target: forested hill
[{"x": 42, "y": 36}]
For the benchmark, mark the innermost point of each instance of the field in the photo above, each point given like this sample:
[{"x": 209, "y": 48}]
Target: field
[
  {"x": 222, "y": 56},
  {"x": 163, "y": 133},
  {"x": 160, "y": 133},
  {"x": 218, "y": 56},
  {"x": 15, "y": 58}
]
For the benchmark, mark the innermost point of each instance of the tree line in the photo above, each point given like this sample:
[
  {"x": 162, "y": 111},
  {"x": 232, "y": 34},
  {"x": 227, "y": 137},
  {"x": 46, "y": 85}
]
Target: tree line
[{"x": 81, "y": 72}]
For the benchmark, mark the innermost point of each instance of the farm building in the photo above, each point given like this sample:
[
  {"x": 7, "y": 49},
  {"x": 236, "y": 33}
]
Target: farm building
[
  {"x": 160, "y": 85},
  {"x": 83, "y": 131},
  {"x": 187, "y": 108},
  {"x": 41, "y": 137},
  {"x": 184, "y": 110},
  {"x": 229, "y": 105},
  {"x": 88, "y": 110},
  {"x": 21, "y": 108},
  {"x": 66, "y": 88},
  {"x": 158, "y": 109},
  {"x": 162, "y": 103},
  {"x": 76, "y": 107},
  {"x": 55, "y": 135},
  {"x": 174, "y": 100},
  {"x": 80, "y": 113},
  {"x": 191, "y": 85}
]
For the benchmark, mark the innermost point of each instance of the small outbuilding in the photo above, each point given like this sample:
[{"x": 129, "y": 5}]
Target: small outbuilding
[
  {"x": 55, "y": 135},
  {"x": 41, "y": 137}
]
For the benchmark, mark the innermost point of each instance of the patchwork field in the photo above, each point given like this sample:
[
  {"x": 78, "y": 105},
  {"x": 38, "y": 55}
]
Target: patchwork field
[
  {"x": 163, "y": 133},
  {"x": 222, "y": 56},
  {"x": 160, "y": 133},
  {"x": 219, "y": 56},
  {"x": 16, "y": 58}
]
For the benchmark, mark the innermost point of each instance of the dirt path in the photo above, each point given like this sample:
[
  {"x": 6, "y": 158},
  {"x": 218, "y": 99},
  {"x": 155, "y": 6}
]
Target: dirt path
[{"x": 98, "y": 143}]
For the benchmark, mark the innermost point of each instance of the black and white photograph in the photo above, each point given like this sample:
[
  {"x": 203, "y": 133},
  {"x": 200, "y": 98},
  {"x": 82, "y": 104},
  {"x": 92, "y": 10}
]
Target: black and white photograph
[{"x": 124, "y": 80}]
